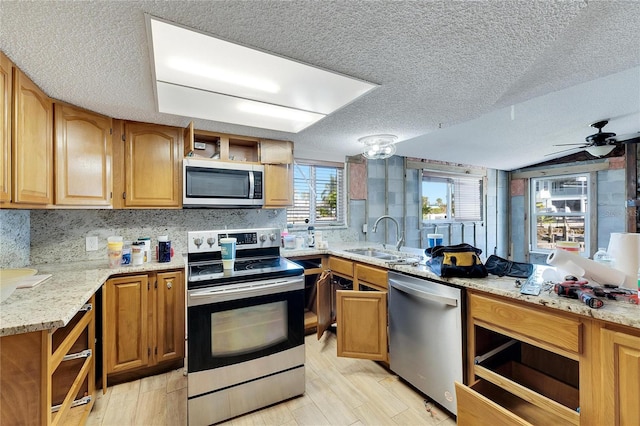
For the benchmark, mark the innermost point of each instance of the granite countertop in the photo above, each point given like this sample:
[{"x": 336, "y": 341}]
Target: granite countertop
[
  {"x": 617, "y": 312},
  {"x": 53, "y": 303}
]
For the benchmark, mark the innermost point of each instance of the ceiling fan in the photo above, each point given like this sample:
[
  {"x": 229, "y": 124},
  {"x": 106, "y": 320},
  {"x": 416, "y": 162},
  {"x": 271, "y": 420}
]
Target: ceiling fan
[{"x": 601, "y": 143}]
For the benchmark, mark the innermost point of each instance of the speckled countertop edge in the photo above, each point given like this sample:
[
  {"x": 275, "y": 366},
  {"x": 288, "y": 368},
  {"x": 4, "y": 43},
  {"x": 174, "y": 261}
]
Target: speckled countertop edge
[
  {"x": 616, "y": 312},
  {"x": 53, "y": 303}
]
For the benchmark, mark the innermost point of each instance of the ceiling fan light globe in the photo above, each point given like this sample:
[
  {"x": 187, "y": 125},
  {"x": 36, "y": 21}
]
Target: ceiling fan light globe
[
  {"x": 600, "y": 150},
  {"x": 378, "y": 147}
]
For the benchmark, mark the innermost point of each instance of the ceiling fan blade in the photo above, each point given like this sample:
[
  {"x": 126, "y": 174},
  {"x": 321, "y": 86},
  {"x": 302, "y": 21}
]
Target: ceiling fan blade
[
  {"x": 564, "y": 150},
  {"x": 568, "y": 144}
]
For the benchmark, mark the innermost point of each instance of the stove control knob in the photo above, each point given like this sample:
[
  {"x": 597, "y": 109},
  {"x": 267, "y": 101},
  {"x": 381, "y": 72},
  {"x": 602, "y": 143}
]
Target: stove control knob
[
  {"x": 211, "y": 241},
  {"x": 197, "y": 242},
  {"x": 272, "y": 237},
  {"x": 263, "y": 238}
]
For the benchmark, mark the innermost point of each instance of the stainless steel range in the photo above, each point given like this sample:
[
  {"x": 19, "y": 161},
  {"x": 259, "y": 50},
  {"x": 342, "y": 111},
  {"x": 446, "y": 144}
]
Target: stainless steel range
[{"x": 245, "y": 327}]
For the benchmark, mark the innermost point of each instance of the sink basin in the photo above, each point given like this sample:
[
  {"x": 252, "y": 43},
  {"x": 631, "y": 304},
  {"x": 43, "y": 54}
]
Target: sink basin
[{"x": 378, "y": 254}]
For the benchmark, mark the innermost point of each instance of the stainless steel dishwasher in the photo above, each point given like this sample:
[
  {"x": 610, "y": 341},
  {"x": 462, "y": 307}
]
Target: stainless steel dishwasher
[{"x": 425, "y": 336}]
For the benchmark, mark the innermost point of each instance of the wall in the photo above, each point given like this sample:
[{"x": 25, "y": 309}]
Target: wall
[
  {"x": 392, "y": 189},
  {"x": 14, "y": 238}
]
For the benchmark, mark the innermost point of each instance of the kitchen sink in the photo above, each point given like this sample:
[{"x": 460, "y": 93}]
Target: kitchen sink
[{"x": 381, "y": 255}]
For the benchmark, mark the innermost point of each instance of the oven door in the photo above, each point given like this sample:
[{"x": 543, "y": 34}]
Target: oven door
[{"x": 240, "y": 322}]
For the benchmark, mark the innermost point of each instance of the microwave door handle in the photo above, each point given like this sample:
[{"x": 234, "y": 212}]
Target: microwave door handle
[{"x": 251, "y": 185}]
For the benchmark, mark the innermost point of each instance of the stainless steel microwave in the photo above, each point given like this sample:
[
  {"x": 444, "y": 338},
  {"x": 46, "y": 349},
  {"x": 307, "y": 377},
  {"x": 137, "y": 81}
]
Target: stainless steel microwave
[{"x": 211, "y": 183}]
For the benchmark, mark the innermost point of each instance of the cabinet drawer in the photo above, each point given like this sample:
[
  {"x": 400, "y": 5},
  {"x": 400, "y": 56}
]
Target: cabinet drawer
[
  {"x": 484, "y": 404},
  {"x": 340, "y": 266},
  {"x": 371, "y": 275},
  {"x": 527, "y": 324}
]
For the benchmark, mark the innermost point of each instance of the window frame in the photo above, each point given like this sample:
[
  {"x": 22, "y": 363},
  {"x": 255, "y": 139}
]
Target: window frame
[
  {"x": 451, "y": 180},
  {"x": 533, "y": 213},
  {"x": 341, "y": 207}
]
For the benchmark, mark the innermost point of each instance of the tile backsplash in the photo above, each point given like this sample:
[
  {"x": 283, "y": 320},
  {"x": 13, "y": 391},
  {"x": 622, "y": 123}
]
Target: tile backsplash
[
  {"x": 59, "y": 235},
  {"x": 14, "y": 238}
]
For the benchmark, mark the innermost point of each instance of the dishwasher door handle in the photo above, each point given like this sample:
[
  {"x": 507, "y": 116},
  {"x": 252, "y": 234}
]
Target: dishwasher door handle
[{"x": 423, "y": 294}]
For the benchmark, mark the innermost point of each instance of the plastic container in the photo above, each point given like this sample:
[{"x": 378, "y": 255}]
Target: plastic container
[
  {"x": 289, "y": 242},
  {"x": 311, "y": 236},
  {"x": 601, "y": 256},
  {"x": 570, "y": 246},
  {"x": 114, "y": 251},
  {"x": 434, "y": 240},
  {"x": 126, "y": 253},
  {"x": 137, "y": 253},
  {"x": 147, "y": 248},
  {"x": 164, "y": 249}
]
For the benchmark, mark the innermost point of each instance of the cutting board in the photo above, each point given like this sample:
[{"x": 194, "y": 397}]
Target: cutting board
[{"x": 11, "y": 278}]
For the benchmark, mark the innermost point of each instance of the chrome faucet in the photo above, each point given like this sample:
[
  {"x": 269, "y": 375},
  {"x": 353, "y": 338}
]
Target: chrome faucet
[{"x": 401, "y": 240}]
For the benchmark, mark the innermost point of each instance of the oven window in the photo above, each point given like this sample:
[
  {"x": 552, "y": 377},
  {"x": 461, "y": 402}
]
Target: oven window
[
  {"x": 245, "y": 330},
  {"x": 235, "y": 331}
]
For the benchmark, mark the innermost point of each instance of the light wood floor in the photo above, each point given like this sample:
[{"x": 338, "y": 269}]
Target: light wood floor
[{"x": 339, "y": 391}]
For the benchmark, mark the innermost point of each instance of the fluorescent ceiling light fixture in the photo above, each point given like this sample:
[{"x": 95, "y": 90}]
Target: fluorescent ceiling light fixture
[
  {"x": 190, "y": 59},
  {"x": 188, "y": 66}
]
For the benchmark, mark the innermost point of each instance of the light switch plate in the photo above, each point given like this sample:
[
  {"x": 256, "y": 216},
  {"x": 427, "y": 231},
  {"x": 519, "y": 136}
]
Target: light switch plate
[{"x": 91, "y": 243}]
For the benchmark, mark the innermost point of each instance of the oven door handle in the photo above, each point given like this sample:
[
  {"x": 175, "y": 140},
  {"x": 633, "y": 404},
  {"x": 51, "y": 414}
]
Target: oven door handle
[{"x": 213, "y": 292}]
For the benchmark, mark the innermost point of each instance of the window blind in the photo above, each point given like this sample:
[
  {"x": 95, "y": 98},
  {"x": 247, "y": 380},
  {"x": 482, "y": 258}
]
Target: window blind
[{"x": 319, "y": 195}]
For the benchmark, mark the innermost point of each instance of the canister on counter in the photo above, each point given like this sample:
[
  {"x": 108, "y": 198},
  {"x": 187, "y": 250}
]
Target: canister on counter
[
  {"x": 164, "y": 249},
  {"x": 114, "y": 251},
  {"x": 126, "y": 253},
  {"x": 137, "y": 253},
  {"x": 146, "y": 256}
]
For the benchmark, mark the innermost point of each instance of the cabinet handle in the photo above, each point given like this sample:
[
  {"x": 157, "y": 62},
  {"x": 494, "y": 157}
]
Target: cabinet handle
[{"x": 169, "y": 284}]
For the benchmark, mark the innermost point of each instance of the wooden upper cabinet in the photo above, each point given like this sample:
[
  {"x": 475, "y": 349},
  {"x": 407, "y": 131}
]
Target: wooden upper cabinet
[
  {"x": 153, "y": 172},
  {"x": 6, "y": 69},
  {"x": 83, "y": 157},
  {"x": 32, "y": 166},
  {"x": 276, "y": 152},
  {"x": 278, "y": 185}
]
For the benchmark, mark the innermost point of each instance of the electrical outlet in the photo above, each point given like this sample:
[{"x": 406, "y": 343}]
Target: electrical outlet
[
  {"x": 91, "y": 243},
  {"x": 364, "y": 228}
]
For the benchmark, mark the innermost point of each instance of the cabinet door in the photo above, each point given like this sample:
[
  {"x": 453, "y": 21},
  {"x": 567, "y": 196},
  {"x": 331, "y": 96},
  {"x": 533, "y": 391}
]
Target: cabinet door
[
  {"x": 6, "y": 68},
  {"x": 32, "y": 142},
  {"x": 278, "y": 186},
  {"x": 620, "y": 377},
  {"x": 362, "y": 324},
  {"x": 83, "y": 157},
  {"x": 276, "y": 152},
  {"x": 153, "y": 158},
  {"x": 323, "y": 303},
  {"x": 170, "y": 316},
  {"x": 126, "y": 326}
]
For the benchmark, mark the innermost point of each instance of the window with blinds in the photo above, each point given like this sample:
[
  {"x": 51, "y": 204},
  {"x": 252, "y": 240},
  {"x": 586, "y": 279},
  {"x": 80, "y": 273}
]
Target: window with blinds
[
  {"x": 318, "y": 194},
  {"x": 451, "y": 198}
]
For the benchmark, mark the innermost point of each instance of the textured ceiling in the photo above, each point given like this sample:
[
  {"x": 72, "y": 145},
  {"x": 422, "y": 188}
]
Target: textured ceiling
[{"x": 490, "y": 83}]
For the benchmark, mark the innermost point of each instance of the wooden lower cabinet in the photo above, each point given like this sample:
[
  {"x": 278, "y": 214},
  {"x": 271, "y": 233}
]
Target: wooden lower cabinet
[
  {"x": 361, "y": 313},
  {"x": 620, "y": 373},
  {"x": 48, "y": 377},
  {"x": 534, "y": 365},
  {"x": 144, "y": 321}
]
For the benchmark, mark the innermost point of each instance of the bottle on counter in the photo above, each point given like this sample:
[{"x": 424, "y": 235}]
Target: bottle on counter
[
  {"x": 137, "y": 253},
  {"x": 311, "y": 236},
  {"x": 146, "y": 256},
  {"x": 126, "y": 253}
]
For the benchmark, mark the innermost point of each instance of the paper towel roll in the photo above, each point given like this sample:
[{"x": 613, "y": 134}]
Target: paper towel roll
[
  {"x": 579, "y": 266},
  {"x": 624, "y": 247}
]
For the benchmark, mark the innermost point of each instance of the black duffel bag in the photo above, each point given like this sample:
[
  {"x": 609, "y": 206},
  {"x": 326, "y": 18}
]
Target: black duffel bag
[
  {"x": 460, "y": 260},
  {"x": 498, "y": 266}
]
